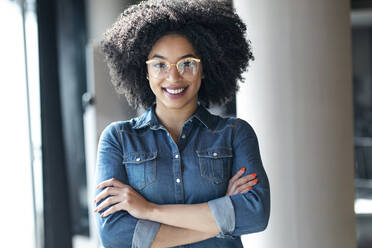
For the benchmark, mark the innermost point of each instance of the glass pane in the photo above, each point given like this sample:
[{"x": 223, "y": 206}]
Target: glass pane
[
  {"x": 17, "y": 206},
  {"x": 361, "y": 34}
]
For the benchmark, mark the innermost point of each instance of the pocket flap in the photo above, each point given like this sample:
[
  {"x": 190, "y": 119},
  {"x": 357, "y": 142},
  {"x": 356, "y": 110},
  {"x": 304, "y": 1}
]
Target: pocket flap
[
  {"x": 217, "y": 152},
  {"x": 138, "y": 157}
]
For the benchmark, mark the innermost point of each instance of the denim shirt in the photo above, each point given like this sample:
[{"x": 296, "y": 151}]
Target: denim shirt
[{"x": 210, "y": 150}]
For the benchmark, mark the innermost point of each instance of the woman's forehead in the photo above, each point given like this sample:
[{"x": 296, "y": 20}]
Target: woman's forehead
[{"x": 172, "y": 46}]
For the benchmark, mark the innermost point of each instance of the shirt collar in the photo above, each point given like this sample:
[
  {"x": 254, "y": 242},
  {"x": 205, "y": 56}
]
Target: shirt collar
[
  {"x": 204, "y": 117},
  {"x": 148, "y": 118}
]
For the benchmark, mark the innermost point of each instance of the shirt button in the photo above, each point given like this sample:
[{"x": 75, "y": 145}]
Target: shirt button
[
  {"x": 183, "y": 136},
  {"x": 178, "y": 180},
  {"x": 176, "y": 156},
  {"x": 138, "y": 159},
  {"x": 214, "y": 154}
]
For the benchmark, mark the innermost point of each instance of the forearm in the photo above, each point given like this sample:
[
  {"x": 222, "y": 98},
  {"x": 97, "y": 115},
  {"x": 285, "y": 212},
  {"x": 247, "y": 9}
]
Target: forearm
[
  {"x": 197, "y": 217},
  {"x": 169, "y": 236}
]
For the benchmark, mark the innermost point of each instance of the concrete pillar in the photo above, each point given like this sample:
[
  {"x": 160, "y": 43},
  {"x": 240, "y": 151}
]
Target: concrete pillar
[{"x": 298, "y": 98}]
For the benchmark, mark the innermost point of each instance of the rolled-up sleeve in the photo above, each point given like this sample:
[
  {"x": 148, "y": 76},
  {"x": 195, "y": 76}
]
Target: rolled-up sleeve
[
  {"x": 246, "y": 213},
  {"x": 119, "y": 229},
  {"x": 223, "y": 212}
]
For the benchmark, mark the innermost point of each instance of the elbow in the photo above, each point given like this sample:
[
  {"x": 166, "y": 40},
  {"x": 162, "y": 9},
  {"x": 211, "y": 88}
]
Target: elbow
[
  {"x": 252, "y": 214},
  {"x": 110, "y": 238},
  {"x": 264, "y": 215},
  {"x": 105, "y": 239},
  {"x": 112, "y": 233},
  {"x": 263, "y": 211},
  {"x": 106, "y": 236},
  {"x": 263, "y": 220}
]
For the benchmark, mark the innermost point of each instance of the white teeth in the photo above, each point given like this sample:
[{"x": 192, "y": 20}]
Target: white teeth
[{"x": 175, "y": 91}]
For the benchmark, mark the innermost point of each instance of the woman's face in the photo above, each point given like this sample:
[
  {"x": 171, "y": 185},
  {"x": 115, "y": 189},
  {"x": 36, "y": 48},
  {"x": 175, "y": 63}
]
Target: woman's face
[{"x": 174, "y": 88}]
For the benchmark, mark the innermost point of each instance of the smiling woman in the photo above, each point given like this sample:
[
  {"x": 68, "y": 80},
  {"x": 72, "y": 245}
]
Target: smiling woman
[
  {"x": 178, "y": 175},
  {"x": 176, "y": 89}
]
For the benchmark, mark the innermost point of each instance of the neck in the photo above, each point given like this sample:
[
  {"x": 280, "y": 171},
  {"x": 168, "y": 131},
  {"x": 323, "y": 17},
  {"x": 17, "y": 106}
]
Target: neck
[{"x": 173, "y": 119}]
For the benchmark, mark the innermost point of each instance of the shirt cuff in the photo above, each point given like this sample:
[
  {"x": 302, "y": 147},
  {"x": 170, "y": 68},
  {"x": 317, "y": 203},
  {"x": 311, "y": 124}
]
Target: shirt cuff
[
  {"x": 224, "y": 215},
  {"x": 144, "y": 233}
]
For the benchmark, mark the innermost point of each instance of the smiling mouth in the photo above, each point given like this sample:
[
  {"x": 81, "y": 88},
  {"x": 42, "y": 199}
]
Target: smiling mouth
[{"x": 175, "y": 91}]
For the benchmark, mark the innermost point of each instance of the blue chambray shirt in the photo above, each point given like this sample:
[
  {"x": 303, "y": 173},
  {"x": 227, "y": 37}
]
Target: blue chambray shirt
[{"x": 211, "y": 149}]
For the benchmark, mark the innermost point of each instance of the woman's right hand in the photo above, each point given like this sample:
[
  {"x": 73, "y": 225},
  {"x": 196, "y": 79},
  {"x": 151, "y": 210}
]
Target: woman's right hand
[{"x": 241, "y": 185}]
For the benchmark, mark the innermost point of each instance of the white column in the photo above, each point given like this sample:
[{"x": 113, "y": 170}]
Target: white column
[{"x": 298, "y": 98}]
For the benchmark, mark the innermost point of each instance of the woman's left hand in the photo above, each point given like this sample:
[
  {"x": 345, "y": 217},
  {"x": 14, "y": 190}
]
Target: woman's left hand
[{"x": 122, "y": 197}]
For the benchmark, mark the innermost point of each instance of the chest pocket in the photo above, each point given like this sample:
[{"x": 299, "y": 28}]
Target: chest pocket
[
  {"x": 215, "y": 164},
  {"x": 141, "y": 168}
]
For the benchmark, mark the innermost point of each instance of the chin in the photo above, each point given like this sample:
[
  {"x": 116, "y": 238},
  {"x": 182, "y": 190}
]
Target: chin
[
  {"x": 175, "y": 106},
  {"x": 178, "y": 104}
]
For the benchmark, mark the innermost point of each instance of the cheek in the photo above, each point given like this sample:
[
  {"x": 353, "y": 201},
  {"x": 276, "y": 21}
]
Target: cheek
[
  {"x": 154, "y": 85},
  {"x": 199, "y": 82}
]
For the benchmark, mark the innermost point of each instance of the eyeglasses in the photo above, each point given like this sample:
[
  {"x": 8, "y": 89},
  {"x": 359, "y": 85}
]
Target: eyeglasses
[{"x": 159, "y": 68}]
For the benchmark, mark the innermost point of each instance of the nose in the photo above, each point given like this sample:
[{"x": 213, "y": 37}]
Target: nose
[{"x": 173, "y": 74}]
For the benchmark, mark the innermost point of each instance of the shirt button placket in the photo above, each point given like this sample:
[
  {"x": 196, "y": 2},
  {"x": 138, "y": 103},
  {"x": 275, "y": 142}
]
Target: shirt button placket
[{"x": 178, "y": 176}]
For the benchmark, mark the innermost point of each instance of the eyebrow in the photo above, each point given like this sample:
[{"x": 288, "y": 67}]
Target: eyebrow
[{"x": 162, "y": 57}]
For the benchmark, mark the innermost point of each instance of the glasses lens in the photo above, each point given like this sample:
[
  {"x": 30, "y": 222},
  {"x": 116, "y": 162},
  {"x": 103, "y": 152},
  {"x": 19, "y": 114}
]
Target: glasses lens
[
  {"x": 157, "y": 68},
  {"x": 187, "y": 67}
]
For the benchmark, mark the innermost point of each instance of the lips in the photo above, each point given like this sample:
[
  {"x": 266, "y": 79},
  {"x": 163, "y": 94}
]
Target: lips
[{"x": 175, "y": 91}]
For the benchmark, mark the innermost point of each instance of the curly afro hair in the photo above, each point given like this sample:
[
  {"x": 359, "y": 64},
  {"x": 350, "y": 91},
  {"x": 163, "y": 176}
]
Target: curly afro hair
[{"x": 213, "y": 28}]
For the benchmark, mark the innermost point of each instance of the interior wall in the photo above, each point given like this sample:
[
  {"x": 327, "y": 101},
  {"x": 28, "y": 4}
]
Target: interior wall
[
  {"x": 104, "y": 105},
  {"x": 298, "y": 98}
]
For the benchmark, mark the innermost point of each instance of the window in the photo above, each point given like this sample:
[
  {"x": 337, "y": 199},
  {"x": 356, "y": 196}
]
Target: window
[{"x": 20, "y": 149}]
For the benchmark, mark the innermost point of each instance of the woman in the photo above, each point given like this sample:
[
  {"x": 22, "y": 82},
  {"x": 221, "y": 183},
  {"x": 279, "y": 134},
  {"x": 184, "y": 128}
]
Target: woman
[{"x": 178, "y": 175}]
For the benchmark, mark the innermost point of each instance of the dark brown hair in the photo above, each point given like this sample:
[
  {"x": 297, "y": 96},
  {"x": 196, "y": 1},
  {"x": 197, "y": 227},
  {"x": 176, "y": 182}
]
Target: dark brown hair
[{"x": 213, "y": 28}]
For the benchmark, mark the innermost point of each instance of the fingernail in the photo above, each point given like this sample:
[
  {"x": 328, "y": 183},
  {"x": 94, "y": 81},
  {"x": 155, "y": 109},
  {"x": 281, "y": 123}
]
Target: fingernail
[
  {"x": 249, "y": 188},
  {"x": 102, "y": 215},
  {"x": 255, "y": 180},
  {"x": 254, "y": 175},
  {"x": 242, "y": 169}
]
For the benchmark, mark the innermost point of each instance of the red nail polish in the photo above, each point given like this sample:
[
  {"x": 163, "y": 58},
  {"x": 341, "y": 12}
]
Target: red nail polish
[
  {"x": 249, "y": 188},
  {"x": 254, "y": 175},
  {"x": 242, "y": 169}
]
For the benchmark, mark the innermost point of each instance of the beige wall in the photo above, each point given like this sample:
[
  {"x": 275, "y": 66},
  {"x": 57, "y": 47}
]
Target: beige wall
[{"x": 298, "y": 98}]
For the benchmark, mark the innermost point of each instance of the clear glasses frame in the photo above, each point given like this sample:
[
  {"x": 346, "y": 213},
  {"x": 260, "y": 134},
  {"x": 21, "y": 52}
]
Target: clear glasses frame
[{"x": 158, "y": 70}]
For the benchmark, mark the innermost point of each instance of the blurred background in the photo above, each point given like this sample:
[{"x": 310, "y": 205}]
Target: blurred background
[{"x": 308, "y": 95}]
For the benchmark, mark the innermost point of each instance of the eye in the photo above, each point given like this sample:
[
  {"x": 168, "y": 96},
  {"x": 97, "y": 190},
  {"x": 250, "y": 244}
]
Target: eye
[
  {"x": 159, "y": 65},
  {"x": 187, "y": 63}
]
